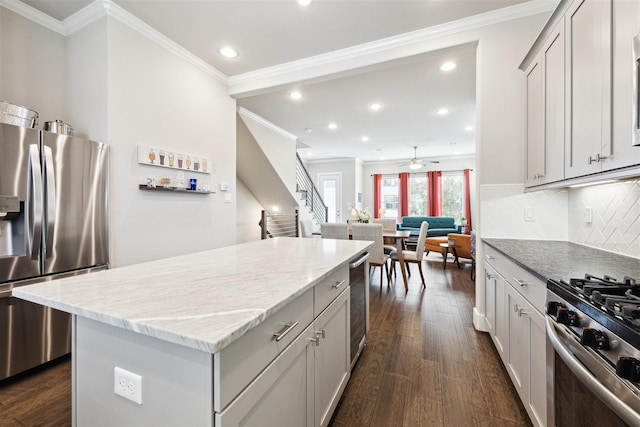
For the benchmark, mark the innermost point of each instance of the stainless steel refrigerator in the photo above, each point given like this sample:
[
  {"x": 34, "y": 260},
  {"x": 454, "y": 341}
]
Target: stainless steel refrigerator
[{"x": 53, "y": 223}]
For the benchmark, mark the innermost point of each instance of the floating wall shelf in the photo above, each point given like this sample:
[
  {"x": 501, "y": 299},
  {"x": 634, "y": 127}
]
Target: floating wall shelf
[{"x": 174, "y": 189}]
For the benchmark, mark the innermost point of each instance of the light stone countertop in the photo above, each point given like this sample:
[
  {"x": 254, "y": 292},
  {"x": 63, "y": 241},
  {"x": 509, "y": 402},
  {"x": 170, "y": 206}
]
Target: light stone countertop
[{"x": 204, "y": 300}]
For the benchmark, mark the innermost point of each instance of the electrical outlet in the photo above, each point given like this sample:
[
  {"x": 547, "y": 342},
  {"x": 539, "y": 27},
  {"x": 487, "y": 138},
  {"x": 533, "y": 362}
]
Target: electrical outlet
[
  {"x": 529, "y": 214},
  {"x": 127, "y": 384},
  {"x": 588, "y": 215}
]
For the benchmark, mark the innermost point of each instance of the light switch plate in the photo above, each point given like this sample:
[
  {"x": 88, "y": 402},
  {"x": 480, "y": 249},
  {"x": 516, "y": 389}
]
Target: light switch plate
[
  {"x": 127, "y": 384},
  {"x": 529, "y": 214},
  {"x": 588, "y": 215},
  {"x": 227, "y": 198},
  {"x": 224, "y": 186}
]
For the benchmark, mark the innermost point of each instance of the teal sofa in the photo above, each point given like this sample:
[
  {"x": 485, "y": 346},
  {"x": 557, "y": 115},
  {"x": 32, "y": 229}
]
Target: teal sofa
[{"x": 438, "y": 225}]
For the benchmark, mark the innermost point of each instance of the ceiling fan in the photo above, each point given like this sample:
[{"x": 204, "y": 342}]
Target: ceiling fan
[{"x": 416, "y": 163}]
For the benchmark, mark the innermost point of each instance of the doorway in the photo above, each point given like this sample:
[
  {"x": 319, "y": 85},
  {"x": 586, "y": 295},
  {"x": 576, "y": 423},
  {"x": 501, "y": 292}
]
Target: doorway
[{"x": 330, "y": 185}]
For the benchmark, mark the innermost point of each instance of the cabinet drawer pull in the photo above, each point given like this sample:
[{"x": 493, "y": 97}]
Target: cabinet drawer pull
[
  {"x": 490, "y": 257},
  {"x": 490, "y": 276},
  {"x": 521, "y": 282},
  {"x": 338, "y": 284},
  {"x": 287, "y": 328},
  {"x": 316, "y": 340}
]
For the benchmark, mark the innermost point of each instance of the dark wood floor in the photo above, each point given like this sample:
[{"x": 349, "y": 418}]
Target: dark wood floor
[{"x": 424, "y": 365}]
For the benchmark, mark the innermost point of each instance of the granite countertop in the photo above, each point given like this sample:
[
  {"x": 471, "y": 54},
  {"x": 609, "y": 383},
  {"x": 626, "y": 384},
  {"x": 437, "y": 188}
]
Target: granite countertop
[
  {"x": 550, "y": 259},
  {"x": 204, "y": 300}
]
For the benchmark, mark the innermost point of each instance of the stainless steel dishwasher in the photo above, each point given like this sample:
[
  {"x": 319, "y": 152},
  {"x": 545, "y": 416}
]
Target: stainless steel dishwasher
[{"x": 359, "y": 283}]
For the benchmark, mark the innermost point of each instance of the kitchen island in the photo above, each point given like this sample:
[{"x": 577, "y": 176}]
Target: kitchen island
[{"x": 253, "y": 334}]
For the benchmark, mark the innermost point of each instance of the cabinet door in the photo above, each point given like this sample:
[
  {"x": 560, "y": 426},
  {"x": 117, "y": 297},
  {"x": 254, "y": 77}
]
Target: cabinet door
[
  {"x": 553, "y": 84},
  {"x": 535, "y": 141},
  {"x": 537, "y": 401},
  {"x": 588, "y": 65},
  {"x": 626, "y": 18},
  {"x": 332, "y": 363},
  {"x": 501, "y": 327},
  {"x": 288, "y": 382},
  {"x": 518, "y": 343},
  {"x": 490, "y": 276}
]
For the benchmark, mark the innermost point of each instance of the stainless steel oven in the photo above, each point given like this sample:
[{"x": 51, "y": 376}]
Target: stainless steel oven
[
  {"x": 359, "y": 283},
  {"x": 593, "y": 357}
]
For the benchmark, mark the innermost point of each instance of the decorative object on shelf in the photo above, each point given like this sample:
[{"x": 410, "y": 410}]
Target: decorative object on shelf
[
  {"x": 362, "y": 216},
  {"x": 175, "y": 189},
  {"x": 171, "y": 159}
]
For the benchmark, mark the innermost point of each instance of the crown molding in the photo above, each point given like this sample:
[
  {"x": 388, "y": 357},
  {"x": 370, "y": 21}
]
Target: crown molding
[
  {"x": 33, "y": 15},
  {"x": 97, "y": 10},
  {"x": 394, "y": 42},
  {"x": 244, "y": 113}
]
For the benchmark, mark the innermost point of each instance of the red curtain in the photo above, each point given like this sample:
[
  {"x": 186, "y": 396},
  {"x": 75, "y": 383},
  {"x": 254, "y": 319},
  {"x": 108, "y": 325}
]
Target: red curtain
[
  {"x": 377, "y": 194},
  {"x": 434, "y": 195},
  {"x": 403, "y": 195},
  {"x": 467, "y": 199}
]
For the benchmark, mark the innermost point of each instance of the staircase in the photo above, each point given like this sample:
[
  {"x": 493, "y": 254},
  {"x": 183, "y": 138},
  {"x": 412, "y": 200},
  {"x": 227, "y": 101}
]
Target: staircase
[{"x": 309, "y": 194}]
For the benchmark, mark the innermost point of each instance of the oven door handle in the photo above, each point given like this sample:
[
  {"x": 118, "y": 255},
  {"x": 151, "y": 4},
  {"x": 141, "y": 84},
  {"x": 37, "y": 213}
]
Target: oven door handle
[{"x": 608, "y": 398}]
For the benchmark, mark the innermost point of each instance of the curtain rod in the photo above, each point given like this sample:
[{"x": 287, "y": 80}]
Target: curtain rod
[{"x": 423, "y": 173}]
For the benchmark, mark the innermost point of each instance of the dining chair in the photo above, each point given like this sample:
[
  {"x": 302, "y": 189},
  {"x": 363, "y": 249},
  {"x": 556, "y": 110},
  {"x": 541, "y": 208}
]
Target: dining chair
[
  {"x": 334, "y": 230},
  {"x": 306, "y": 228},
  {"x": 414, "y": 256},
  {"x": 377, "y": 257},
  {"x": 388, "y": 224}
]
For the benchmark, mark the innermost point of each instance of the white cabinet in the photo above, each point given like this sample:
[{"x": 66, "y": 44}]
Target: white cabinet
[
  {"x": 514, "y": 300},
  {"x": 288, "y": 383},
  {"x": 307, "y": 378},
  {"x": 332, "y": 361},
  {"x": 495, "y": 308},
  {"x": 526, "y": 354},
  {"x": 626, "y": 18},
  {"x": 545, "y": 86},
  {"x": 535, "y": 124},
  {"x": 588, "y": 65},
  {"x": 303, "y": 385}
]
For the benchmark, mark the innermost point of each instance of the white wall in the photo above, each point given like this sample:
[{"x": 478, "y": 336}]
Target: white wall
[
  {"x": 32, "y": 67},
  {"x": 156, "y": 98},
  {"x": 347, "y": 170},
  {"x": 248, "y": 211}
]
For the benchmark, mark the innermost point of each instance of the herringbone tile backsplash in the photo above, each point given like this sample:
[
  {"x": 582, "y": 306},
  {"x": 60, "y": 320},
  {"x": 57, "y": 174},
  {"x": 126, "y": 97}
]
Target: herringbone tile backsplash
[
  {"x": 615, "y": 225},
  {"x": 561, "y": 214}
]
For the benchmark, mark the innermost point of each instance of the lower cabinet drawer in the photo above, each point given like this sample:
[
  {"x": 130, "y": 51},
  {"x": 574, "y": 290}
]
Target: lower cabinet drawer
[
  {"x": 527, "y": 284},
  {"x": 239, "y": 363},
  {"x": 282, "y": 395},
  {"x": 327, "y": 290}
]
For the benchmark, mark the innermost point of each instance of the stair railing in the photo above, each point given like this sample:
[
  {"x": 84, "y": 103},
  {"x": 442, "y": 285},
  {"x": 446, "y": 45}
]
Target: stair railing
[
  {"x": 279, "y": 224},
  {"x": 310, "y": 193}
]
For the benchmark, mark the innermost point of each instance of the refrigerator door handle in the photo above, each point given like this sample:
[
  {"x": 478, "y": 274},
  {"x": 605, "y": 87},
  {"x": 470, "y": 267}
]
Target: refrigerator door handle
[
  {"x": 34, "y": 202},
  {"x": 50, "y": 186}
]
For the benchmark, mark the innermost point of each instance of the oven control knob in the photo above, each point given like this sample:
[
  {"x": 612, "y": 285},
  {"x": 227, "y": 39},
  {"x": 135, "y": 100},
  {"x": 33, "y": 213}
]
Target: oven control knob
[
  {"x": 567, "y": 317},
  {"x": 552, "y": 307},
  {"x": 628, "y": 368},
  {"x": 595, "y": 339}
]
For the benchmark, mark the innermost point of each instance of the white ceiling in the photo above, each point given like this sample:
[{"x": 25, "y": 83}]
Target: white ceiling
[{"x": 269, "y": 33}]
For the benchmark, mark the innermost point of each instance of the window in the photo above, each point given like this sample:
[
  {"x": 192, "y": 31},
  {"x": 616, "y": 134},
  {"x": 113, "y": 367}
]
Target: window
[
  {"x": 418, "y": 195},
  {"x": 390, "y": 196},
  {"x": 452, "y": 194}
]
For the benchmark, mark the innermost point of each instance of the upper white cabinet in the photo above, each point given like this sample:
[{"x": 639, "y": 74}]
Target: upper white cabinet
[
  {"x": 588, "y": 107},
  {"x": 626, "y": 24},
  {"x": 580, "y": 84},
  {"x": 545, "y": 85}
]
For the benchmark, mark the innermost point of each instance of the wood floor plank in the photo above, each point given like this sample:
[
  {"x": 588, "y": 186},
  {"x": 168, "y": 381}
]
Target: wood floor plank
[{"x": 390, "y": 404}]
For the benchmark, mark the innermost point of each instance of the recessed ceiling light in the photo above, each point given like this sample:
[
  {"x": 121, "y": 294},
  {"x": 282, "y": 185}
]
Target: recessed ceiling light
[
  {"x": 382, "y": 158},
  {"x": 333, "y": 126},
  {"x": 468, "y": 128},
  {"x": 379, "y": 150},
  {"x": 456, "y": 152},
  {"x": 295, "y": 95},
  {"x": 304, "y": 2},
  {"x": 375, "y": 106},
  {"x": 448, "y": 66},
  {"x": 308, "y": 130},
  {"x": 365, "y": 139},
  {"x": 228, "y": 52},
  {"x": 442, "y": 111}
]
